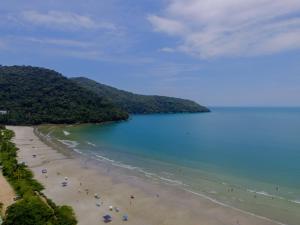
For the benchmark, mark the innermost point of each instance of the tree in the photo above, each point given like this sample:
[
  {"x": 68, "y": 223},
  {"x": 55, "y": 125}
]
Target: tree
[{"x": 29, "y": 211}]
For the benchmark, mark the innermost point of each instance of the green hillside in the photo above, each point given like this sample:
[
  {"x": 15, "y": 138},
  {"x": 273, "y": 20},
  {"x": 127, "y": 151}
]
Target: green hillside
[
  {"x": 33, "y": 95},
  {"x": 140, "y": 104}
]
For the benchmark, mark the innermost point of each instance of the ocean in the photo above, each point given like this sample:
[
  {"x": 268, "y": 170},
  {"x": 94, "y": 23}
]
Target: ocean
[{"x": 246, "y": 158}]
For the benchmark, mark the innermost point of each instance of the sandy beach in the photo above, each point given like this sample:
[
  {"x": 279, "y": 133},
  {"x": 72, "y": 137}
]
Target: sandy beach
[
  {"x": 153, "y": 203},
  {"x": 7, "y": 194}
]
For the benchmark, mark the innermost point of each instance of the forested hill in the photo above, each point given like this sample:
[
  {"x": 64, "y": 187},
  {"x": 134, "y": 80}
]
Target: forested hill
[
  {"x": 140, "y": 104},
  {"x": 33, "y": 95}
]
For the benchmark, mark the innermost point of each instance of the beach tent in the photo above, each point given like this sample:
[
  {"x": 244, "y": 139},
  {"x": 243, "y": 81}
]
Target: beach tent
[{"x": 107, "y": 218}]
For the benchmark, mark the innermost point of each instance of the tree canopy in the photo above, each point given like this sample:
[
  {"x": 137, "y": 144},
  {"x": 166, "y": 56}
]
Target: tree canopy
[
  {"x": 140, "y": 104},
  {"x": 33, "y": 95}
]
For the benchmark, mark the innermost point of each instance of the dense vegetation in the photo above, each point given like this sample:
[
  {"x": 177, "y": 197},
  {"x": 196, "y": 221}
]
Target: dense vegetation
[
  {"x": 33, "y": 207},
  {"x": 140, "y": 104},
  {"x": 33, "y": 95}
]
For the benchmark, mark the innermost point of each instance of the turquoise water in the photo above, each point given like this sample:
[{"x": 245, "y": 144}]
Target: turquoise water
[{"x": 245, "y": 157}]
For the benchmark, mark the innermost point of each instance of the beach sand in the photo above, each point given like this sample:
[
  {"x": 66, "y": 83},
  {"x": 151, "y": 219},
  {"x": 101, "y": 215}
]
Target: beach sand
[
  {"x": 7, "y": 194},
  {"x": 153, "y": 203}
]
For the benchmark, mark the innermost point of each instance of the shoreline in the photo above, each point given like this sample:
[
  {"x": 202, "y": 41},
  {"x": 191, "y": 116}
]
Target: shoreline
[{"x": 152, "y": 204}]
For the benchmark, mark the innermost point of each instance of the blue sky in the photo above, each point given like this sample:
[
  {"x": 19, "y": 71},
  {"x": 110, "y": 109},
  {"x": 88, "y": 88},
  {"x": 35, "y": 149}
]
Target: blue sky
[{"x": 216, "y": 52}]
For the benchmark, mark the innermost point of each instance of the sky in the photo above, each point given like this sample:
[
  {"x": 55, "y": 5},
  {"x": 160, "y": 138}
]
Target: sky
[{"x": 216, "y": 52}]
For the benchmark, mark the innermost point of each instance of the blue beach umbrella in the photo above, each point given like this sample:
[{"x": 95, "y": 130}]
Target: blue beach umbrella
[
  {"x": 107, "y": 218},
  {"x": 125, "y": 217}
]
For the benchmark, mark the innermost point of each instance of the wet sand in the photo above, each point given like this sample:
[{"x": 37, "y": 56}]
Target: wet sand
[{"x": 153, "y": 203}]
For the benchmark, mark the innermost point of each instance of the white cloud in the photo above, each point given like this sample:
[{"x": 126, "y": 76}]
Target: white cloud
[
  {"x": 100, "y": 56},
  {"x": 65, "y": 20},
  {"x": 60, "y": 42},
  {"x": 214, "y": 28},
  {"x": 166, "y": 25},
  {"x": 167, "y": 49}
]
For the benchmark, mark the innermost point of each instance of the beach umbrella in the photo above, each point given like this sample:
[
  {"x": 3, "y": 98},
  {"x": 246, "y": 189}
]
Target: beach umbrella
[
  {"x": 125, "y": 217},
  {"x": 111, "y": 208},
  {"x": 107, "y": 218}
]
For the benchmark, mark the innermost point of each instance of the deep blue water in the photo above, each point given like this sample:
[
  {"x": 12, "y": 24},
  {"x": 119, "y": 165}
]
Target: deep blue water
[{"x": 251, "y": 148}]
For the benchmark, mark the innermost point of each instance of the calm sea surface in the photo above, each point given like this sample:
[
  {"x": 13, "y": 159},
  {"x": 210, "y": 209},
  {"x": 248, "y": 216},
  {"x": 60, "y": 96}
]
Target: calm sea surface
[{"x": 248, "y": 158}]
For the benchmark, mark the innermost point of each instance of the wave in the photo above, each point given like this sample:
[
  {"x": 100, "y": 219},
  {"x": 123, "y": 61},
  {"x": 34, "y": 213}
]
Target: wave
[
  {"x": 138, "y": 169},
  {"x": 170, "y": 181},
  {"x": 90, "y": 143},
  {"x": 231, "y": 207},
  {"x": 66, "y": 133},
  {"x": 296, "y": 201},
  {"x": 69, "y": 143},
  {"x": 180, "y": 183},
  {"x": 264, "y": 193},
  {"x": 104, "y": 158}
]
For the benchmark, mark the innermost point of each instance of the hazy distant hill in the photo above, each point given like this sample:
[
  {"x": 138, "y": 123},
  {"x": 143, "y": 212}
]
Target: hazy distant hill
[
  {"x": 33, "y": 95},
  {"x": 140, "y": 104}
]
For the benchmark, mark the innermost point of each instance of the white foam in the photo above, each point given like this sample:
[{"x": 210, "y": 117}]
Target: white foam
[
  {"x": 252, "y": 191},
  {"x": 147, "y": 174},
  {"x": 66, "y": 133},
  {"x": 125, "y": 166},
  {"x": 47, "y": 136},
  {"x": 234, "y": 208},
  {"x": 175, "y": 182},
  {"x": 69, "y": 143},
  {"x": 90, "y": 143},
  {"x": 265, "y": 194},
  {"x": 296, "y": 201},
  {"x": 167, "y": 173},
  {"x": 104, "y": 158},
  {"x": 77, "y": 150}
]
